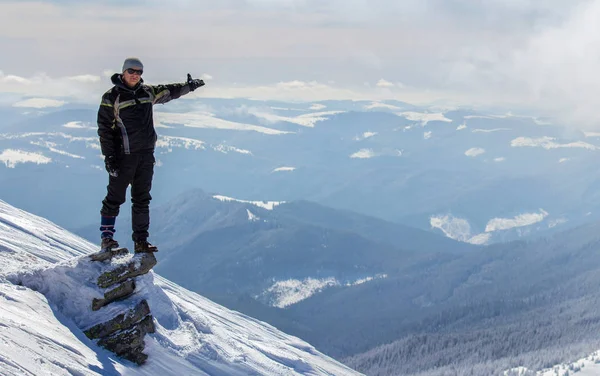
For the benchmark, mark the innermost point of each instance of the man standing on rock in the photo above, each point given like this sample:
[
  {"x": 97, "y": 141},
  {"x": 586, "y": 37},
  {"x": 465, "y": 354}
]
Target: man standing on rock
[{"x": 127, "y": 140}]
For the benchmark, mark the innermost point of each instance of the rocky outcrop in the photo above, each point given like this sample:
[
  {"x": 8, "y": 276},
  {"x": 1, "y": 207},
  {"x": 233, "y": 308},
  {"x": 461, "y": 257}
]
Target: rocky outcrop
[
  {"x": 129, "y": 343},
  {"x": 107, "y": 255},
  {"x": 124, "y": 333},
  {"x": 139, "y": 264},
  {"x": 120, "y": 292}
]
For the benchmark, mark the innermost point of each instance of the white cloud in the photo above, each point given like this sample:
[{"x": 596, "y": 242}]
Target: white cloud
[
  {"x": 427, "y": 135},
  {"x": 473, "y": 152},
  {"x": 563, "y": 160},
  {"x": 499, "y": 159},
  {"x": 549, "y": 143},
  {"x": 85, "y": 78},
  {"x": 317, "y": 106},
  {"x": 384, "y": 83},
  {"x": 521, "y": 220},
  {"x": 10, "y": 79},
  {"x": 39, "y": 103},
  {"x": 492, "y": 52},
  {"x": 206, "y": 77},
  {"x": 12, "y": 157},
  {"x": 461, "y": 127}
]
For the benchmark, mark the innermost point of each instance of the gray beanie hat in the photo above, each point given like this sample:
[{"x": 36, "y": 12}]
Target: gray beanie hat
[{"x": 132, "y": 62}]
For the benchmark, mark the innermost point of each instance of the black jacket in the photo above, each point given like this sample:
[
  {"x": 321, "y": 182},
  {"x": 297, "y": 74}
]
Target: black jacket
[{"x": 125, "y": 122}]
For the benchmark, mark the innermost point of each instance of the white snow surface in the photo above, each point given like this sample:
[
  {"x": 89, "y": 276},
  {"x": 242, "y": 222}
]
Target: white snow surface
[
  {"x": 477, "y": 130},
  {"x": 305, "y": 120},
  {"x": 549, "y": 143},
  {"x": 382, "y": 105},
  {"x": 364, "y": 154},
  {"x": 365, "y": 135},
  {"x": 269, "y": 205},
  {"x": 284, "y": 168},
  {"x": 370, "y": 153},
  {"x": 587, "y": 366},
  {"x": 520, "y": 220},
  {"x": 473, "y": 152},
  {"x": 79, "y": 125},
  {"x": 252, "y": 217},
  {"x": 41, "y": 319},
  {"x": 90, "y": 142},
  {"x": 12, "y": 157},
  {"x": 458, "y": 229},
  {"x": 285, "y": 293},
  {"x": 52, "y": 147},
  {"x": 169, "y": 142},
  {"x": 424, "y": 118},
  {"x": 289, "y": 292},
  {"x": 208, "y": 120}
]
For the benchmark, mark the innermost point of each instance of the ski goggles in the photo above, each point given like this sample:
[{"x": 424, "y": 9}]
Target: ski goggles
[{"x": 134, "y": 71}]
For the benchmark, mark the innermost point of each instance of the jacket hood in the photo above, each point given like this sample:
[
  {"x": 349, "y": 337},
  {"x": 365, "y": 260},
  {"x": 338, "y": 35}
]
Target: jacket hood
[{"x": 117, "y": 80}]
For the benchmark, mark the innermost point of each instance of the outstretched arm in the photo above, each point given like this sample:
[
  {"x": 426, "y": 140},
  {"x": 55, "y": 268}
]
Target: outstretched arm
[{"x": 165, "y": 93}]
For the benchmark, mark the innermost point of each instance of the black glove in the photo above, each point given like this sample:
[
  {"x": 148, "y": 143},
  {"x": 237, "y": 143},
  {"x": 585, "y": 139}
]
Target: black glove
[
  {"x": 194, "y": 83},
  {"x": 112, "y": 166}
]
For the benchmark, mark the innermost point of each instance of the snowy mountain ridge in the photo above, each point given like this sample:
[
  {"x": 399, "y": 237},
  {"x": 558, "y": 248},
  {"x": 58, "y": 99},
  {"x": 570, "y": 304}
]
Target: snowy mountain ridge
[{"x": 41, "y": 317}]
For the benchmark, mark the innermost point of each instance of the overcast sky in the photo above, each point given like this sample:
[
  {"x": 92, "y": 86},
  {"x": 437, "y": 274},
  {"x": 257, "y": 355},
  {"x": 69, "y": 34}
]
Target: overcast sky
[{"x": 542, "y": 54}]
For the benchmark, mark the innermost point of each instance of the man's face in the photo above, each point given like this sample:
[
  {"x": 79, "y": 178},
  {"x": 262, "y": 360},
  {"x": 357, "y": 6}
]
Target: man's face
[{"x": 132, "y": 76}]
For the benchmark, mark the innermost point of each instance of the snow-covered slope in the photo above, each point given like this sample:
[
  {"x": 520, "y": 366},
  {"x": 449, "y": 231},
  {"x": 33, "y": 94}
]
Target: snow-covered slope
[
  {"x": 588, "y": 366},
  {"x": 40, "y": 325}
]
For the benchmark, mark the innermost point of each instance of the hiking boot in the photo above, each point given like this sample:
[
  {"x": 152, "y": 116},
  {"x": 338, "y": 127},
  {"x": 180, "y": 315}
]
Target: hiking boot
[
  {"x": 108, "y": 244},
  {"x": 144, "y": 247}
]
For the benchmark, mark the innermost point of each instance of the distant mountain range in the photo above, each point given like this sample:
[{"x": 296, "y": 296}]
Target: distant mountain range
[
  {"x": 350, "y": 283},
  {"x": 472, "y": 176}
]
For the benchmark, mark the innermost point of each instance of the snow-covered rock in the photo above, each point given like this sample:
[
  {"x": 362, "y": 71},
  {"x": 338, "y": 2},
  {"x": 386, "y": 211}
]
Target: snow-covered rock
[{"x": 41, "y": 320}]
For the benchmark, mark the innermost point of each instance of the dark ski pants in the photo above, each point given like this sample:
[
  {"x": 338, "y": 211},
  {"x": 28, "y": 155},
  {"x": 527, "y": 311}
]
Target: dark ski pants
[{"x": 137, "y": 170}]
